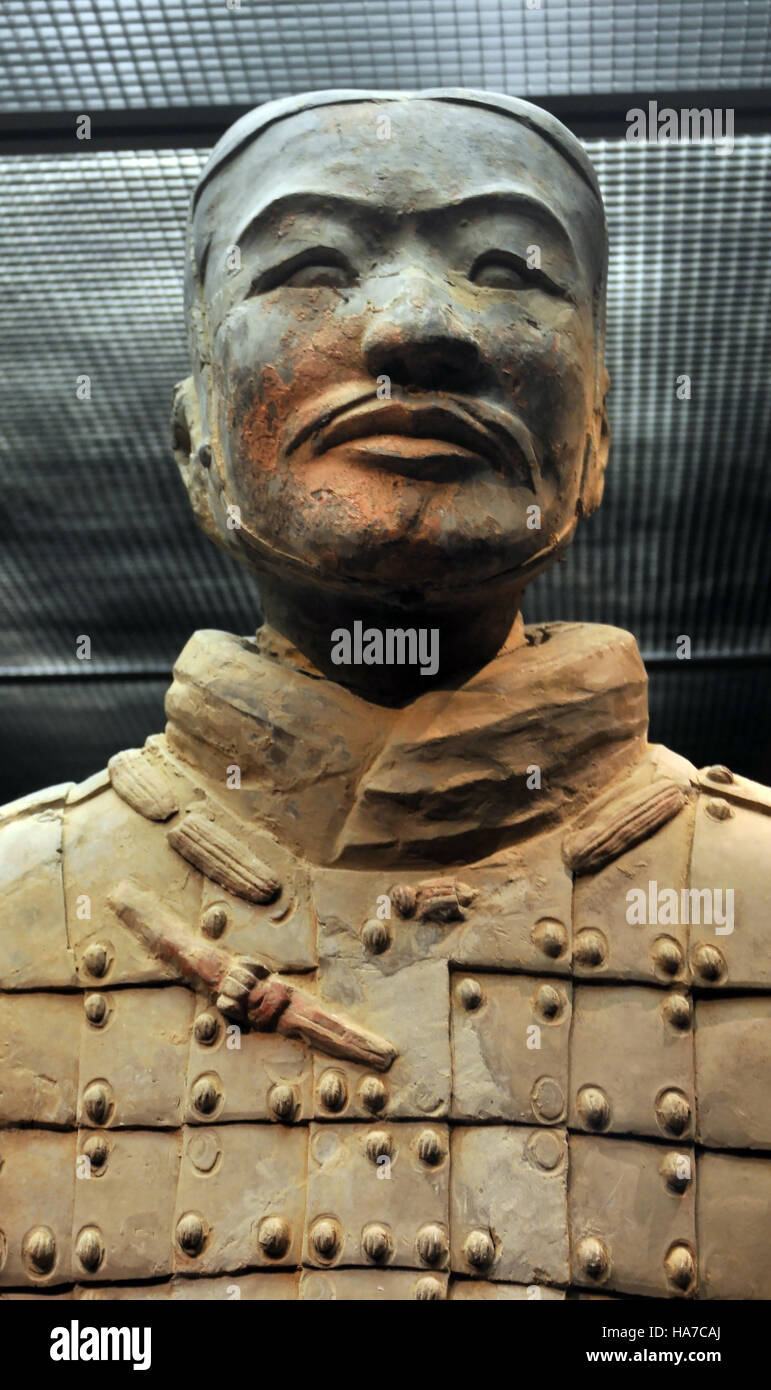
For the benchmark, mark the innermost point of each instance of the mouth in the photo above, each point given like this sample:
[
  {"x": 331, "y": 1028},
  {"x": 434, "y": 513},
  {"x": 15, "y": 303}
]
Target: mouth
[{"x": 428, "y": 436}]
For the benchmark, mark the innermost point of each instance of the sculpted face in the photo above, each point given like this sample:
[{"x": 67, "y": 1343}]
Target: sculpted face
[{"x": 403, "y": 362}]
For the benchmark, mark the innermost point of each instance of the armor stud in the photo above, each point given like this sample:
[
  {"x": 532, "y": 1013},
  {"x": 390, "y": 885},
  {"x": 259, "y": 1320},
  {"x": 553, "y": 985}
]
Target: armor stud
[
  {"x": 479, "y": 1249},
  {"x": 590, "y": 949},
  {"x": 677, "y": 1171},
  {"x": 708, "y": 963},
  {"x": 377, "y": 1242},
  {"x": 97, "y": 1151},
  {"x": 593, "y": 1259},
  {"x": 95, "y": 1006},
  {"x": 333, "y": 1091},
  {"x": 214, "y": 921},
  {"x": 206, "y": 1094},
  {"x": 470, "y": 995},
  {"x": 718, "y": 808},
  {"x": 431, "y": 1244},
  {"x": 676, "y": 1009},
  {"x": 98, "y": 1101},
  {"x": 430, "y": 1148},
  {"x": 379, "y": 1145},
  {"x": 89, "y": 1248},
  {"x": 428, "y": 1287},
  {"x": 39, "y": 1251},
  {"x": 549, "y": 1003},
  {"x": 376, "y": 936},
  {"x": 96, "y": 959},
  {"x": 593, "y": 1107},
  {"x": 191, "y": 1233},
  {"x": 550, "y": 937},
  {"x": 673, "y": 1112},
  {"x": 274, "y": 1237},
  {"x": 373, "y": 1094},
  {"x": 206, "y": 1028},
  {"x": 680, "y": 1268},
  {"x": 325, "y": 1238},
  {"x": 666, "y": 956},
  {"x": 282, "y": 1102}
]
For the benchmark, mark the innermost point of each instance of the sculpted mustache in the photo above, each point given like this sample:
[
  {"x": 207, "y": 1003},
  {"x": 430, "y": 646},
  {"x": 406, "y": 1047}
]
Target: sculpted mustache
[{"x": 492, "y": 425}]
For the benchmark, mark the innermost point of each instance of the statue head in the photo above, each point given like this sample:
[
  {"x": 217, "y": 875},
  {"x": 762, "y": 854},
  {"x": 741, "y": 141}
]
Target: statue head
[{"x": 395, "y": 305}]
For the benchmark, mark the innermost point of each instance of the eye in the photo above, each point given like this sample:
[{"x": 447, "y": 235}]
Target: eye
[
  {"x": 311, "y": 269},
  {"x": 502, "y": 270}
]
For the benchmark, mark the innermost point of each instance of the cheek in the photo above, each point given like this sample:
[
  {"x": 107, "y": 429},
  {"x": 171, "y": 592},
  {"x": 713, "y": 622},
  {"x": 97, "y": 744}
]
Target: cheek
[{"x": 292, "y": 357}]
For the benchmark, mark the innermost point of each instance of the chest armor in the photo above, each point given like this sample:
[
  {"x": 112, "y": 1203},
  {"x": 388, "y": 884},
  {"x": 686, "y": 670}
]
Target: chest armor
[{"x": 579, "y": 1104}]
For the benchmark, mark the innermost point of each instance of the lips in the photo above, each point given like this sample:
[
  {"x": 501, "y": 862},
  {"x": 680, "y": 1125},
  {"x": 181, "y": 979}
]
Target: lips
[{"x": 462, "y": 435}]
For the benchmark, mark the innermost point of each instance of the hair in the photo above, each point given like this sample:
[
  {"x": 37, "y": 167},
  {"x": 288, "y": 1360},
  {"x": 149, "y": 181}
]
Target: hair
[{"x": 250, "y": 126}]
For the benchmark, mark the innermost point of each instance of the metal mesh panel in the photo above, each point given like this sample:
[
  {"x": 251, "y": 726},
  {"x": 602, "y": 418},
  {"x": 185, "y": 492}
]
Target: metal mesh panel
[{"x": 133, "y": 53}]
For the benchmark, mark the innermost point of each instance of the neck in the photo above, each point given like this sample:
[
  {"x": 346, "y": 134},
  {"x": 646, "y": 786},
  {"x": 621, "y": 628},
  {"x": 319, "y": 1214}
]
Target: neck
[{"x": 388, "y": 652}]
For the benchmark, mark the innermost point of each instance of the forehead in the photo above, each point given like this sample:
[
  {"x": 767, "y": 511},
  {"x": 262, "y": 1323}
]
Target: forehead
[{"x": 408, "y": 156}]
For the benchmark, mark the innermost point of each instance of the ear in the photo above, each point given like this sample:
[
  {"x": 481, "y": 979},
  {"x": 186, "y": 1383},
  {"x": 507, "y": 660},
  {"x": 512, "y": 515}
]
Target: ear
[
  {"x": 194, "y": 459},
  {"x": 596, "y": 455}
]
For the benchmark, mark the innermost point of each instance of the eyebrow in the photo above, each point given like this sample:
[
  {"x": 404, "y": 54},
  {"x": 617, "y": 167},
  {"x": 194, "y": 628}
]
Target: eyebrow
[{"x": 346, "y": 206}]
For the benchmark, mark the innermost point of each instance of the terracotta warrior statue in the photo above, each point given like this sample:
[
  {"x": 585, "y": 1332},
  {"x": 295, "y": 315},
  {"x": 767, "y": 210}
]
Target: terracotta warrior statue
[{"x": 401, "y": 966}]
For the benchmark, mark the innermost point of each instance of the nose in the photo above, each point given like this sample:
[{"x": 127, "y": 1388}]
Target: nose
[{"x": 416, "y": 339}]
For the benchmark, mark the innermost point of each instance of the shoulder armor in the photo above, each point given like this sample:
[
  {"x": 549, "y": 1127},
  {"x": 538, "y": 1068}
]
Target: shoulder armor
[{"x": 34, "y": 948}]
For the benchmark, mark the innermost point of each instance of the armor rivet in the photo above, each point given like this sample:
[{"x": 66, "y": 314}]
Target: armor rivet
[
  {"x": 544, "y": 1148},
  {"x": 430, "y": 1148},
  {"x": 282, "y": 1101},
  {"x": 479, "y": 1249},
  {"x": 373, "y": 1094},
  {"x": 97, "y": 1151},
  {"x": 547, "y": 1099},
  {"x": 680, "y": 1267},
  {"x": 203, "y": 1150},
  {"x": 470, "y": 994},
  {"x": 191, "y": 1233},
  {"x": 677, "y": 1011},
  {"x": 667, "y": 955},
  {"x": 718, "y": 809},
  {"x": 549, "y": 1002},
  {"x": 404, "y": 899},
  {"x": 427, "y": 1287},
  {"x": 214, "y": 922},
  {"x": 673, "y": 1112},
  {"x": 377, "y": 1242},
  {"x": 206, "y": 1095},
  {"x": 97, "y": 1101},
  {"x": 376, "y": 936},
  {"x": 39, "y": 1250},
  {"x": 550, "y": 937},
  {"x": 594, "y": 1107},
  {"x": 718, "y": 773},
  {"x": 379, "y": 1145},
  {"x": 274, "y": 1237},
  {"x": 676, "y": 1171},
  {"x": 333, "y": 1091},
  {"x": 708, "y": 962},
  {"x": 206, "y": 1028},
  {"x": 96, "y": 1009},
  {"x": 95, "y": 959},
  {"x": 325, "y": 1238},
  {"x": 593, "y": 1258},
  {"x": 89, "y": 1248},
  {"x": 590, "y": 948},
  {"x": 431, "y": 1244}
]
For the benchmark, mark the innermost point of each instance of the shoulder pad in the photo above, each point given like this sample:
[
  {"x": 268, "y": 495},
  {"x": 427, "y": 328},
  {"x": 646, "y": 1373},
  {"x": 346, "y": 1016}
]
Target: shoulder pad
[{"x": 34, "y": 950}]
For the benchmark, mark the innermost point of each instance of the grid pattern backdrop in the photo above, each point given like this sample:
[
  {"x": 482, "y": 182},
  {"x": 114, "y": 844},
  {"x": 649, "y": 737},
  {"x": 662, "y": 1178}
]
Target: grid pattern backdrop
[{"x": 98, "y": 538}]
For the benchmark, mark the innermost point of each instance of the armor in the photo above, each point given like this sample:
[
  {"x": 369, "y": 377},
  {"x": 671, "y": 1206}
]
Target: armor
[{"x": 387, "y": 1072}]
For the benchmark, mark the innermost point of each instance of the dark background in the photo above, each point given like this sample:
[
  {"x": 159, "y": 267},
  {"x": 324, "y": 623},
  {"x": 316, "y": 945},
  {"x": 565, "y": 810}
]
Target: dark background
[{"x": 97, "y": 537}]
